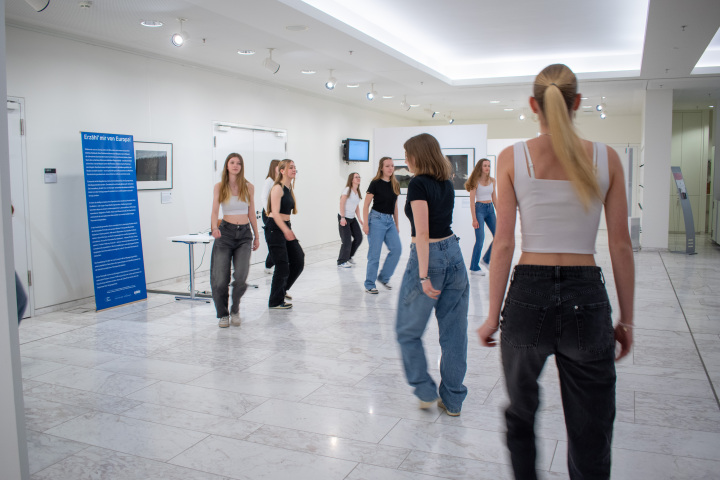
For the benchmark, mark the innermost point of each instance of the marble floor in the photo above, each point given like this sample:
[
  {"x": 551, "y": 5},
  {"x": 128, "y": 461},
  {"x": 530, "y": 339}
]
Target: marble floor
[{"x": 155, "y": 390}]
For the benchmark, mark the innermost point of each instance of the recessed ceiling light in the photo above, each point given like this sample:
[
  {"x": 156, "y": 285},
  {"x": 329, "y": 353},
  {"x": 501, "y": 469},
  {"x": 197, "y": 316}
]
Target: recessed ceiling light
[
  {"x": 353, "y": 85},
  {"x": 414, "y": 105},
  {"x": 587, "y": 106},
  {"x": 296, "y": 28},
  {"x": 494, "y": 101},
  {"x": 711, "y": 106},
  {"x": 583, "y": 98},
  {"x": 387, "y": 97},
  {"x": 508, "y": 109},
  {"x": 309, "y": 72},
  {"x": 246, "y": 52},
  {"x": 151, "y": 23}
]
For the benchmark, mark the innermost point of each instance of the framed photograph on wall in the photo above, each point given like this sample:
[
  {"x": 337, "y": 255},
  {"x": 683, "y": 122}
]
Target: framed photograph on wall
[
  {"x": 462, "y": 161},
  {"x": 402, "y": 174},
  {"x": 154, "y": 165}
]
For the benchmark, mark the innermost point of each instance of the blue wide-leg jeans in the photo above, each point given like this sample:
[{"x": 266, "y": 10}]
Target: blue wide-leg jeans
[
  {"x": 447, "y": 273},
  {"x": 485, "y": 214},
  {"x": 382, "y": 230}
]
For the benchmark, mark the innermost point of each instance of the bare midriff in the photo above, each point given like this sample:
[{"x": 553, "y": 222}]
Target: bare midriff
[
  {"x": 561, "y": 259},
  {"x": 237, "y": 219}
]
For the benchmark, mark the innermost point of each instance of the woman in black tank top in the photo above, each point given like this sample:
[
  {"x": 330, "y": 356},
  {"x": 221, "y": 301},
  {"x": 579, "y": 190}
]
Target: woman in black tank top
[{"x": 284, "y": 247}]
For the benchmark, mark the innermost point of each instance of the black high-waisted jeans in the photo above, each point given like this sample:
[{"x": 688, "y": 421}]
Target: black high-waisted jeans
[
  {"x": 289, "y": 260},
  {"x": 561, "y": 311}
]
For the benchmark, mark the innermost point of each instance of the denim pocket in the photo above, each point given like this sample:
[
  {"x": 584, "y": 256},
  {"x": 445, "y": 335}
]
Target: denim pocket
[
  {"x": 521, "y": 323},
  {"x": 595, "y": 331}
]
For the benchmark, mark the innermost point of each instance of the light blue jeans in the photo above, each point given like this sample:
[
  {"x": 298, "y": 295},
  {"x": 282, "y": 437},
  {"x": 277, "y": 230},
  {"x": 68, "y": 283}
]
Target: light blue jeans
[
  {"x": 447, "y": 273},
  {"x": 382, "y": 229},
  {"x": 485, "y": 213}
]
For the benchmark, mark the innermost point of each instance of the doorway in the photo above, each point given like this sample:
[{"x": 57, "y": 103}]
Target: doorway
[
  {"x": 258, "y": 146},
  {"x": 19, "y": 197}
]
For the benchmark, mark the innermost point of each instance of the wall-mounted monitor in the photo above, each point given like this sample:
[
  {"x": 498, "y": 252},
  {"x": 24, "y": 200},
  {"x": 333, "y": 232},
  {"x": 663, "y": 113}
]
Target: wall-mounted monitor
[{"x": 355, "y": 150}]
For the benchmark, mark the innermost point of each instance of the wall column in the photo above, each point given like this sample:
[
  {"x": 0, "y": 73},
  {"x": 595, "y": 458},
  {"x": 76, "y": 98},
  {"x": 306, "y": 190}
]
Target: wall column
[{"x": 656, "y": 149}]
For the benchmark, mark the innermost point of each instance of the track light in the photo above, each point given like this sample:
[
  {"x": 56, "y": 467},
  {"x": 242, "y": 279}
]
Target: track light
[
  {"x": 404, "y": 104},
  {"x": 603, "y": 116},
  {"x": 271, "y": 64},
  {"x": 434, "y": 113},
  {"x": 521, "y": 117},
  {"x": 331, "y": 82},
  {"x": 451, "y": 120},
  {"x": 38, "y": 5},
  {"x": 599, "y": 107},
  {"x": 372, "y": 93},
  {"x": 179, "y": 39}
]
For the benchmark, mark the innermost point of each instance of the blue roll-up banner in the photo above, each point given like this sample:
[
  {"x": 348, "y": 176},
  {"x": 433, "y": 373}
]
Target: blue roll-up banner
[{"x": 113, "y": 219}]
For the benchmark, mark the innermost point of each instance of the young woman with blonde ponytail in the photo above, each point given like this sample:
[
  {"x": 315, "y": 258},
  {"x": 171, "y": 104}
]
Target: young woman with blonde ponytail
[{"x": 557, "y": 303}]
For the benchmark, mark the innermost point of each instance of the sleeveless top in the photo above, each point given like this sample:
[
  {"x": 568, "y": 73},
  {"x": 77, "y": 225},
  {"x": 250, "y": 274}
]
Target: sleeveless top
[
  {"x": 483, "y": 193},
  {"x": 287, "y": 202},
  {"x": 552, "y": 218},
  {"x": 234, "y": 206}
]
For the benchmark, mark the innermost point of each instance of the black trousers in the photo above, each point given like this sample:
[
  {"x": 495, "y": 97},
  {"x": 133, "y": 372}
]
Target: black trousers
[
  {"x": 289, "y": 260},
  {"x": 561, "y": 311},
  {"x": 351, "y": 237},
  {"x": 268, "y": 260}
]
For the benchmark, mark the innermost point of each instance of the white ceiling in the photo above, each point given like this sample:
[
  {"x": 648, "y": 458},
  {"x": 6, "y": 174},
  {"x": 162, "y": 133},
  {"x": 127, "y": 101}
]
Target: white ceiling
[{"x": 452, "y": 56}]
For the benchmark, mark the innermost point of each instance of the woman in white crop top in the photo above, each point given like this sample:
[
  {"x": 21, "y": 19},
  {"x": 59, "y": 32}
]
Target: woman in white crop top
[
  {"x": 482, "y": 198},
  {"x": 233, "y": 238},
  {"x": 349, "y": 221},
  {"x": 556, "y": 303}
]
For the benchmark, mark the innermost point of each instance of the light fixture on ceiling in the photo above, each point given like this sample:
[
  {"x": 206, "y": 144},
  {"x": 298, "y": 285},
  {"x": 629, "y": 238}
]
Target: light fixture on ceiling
[
  {"x": 603, "y": 116},
  {"x": 151, "y": 23},
  {"x": 296, "y": 28},
  {"x": 38, "y": 5},
  {"x": 179, "y": 39},
  {"x": 388, "y": 97},
  {"x": 521, "y": 117},
  {"x": 451, "y": 120},
  {"x": 308, "y": 72},
  {"x": 404, "y": 104},
  {"x": 508, "y": 109},
  {"x": 494, "y": 101},
  {"x": 711, "y": 106},
  {"x": 85, "y": 4},
  {"x": 271, "y": 64},
  {"x": 331, "y": 82},
  {"x": 600, "y": 106},
  {"x": 353, "y": 85},
  {"x": 246, "y": 52},
  {"x": 372, "y": 93}
]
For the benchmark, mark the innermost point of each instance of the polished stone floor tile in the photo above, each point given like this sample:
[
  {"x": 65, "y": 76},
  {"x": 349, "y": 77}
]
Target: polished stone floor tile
[
  {"x": 96, "y": 463},
  {"x": 447, "y": 466},
  {"x": 372, "y": 472},
  {"x": 254, "y": 384},
  {"x": 155, "y": 369},
  {"x": 365, "y": 427},
  {"x": 245, "y": 460},
  {"x": 67, "y": 355},
  {"x": 330, "y": 446},
  {"x": 677, "y": 411},
  {"x": 45, "y": 450},
  {"x": 314, "y": 369},
  {"x": 128, "y": 435},
  {"x": 98, "y": 381},
  {"x": 82, "y": 398},
  {"x": 32, "y": 367}
]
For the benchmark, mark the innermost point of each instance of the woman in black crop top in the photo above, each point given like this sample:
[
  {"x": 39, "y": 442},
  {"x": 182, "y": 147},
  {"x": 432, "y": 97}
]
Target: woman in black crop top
[
  {"x": 435, "y": 277},
  {"x": 285, "y": 249},
  {"x": 557, "y": 303},
  {"x": 381, "y": 225}
]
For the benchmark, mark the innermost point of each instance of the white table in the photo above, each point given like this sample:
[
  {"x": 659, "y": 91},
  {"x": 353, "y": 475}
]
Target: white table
[{"x": 190, "y": 240}]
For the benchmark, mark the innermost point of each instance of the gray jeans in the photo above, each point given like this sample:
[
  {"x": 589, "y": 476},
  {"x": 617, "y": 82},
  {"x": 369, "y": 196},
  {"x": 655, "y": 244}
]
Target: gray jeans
[{"x": 234, "y": 245}]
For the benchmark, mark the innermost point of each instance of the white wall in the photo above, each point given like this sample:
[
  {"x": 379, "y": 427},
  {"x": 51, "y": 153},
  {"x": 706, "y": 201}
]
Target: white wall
[{"x": 70, "y": 87}]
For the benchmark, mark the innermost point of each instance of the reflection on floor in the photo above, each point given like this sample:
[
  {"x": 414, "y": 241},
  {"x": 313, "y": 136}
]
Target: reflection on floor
[{"x": 157, "y": 390}]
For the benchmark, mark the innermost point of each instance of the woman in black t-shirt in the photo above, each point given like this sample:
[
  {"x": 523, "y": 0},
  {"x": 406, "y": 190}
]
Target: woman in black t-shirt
[
  {"x": 381, "y": 225},
  {"x": 435, "y": 277}
]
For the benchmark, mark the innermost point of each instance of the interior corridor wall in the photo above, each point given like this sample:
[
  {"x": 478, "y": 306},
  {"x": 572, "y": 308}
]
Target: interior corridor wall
[{"x": 69, "y": 86}]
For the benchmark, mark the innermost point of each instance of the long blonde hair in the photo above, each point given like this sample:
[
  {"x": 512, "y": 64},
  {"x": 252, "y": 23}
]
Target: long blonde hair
[
  {"x": 555, "y": 90},
  {"x": 393, "y": 180},
  {"x": 279, "y": 181},
  {"x": 242, "y": 183},
  {"x": 475, "y": 176},
  {"x": 271, "y": 170},
  {"x": 349, "y": 183},
  {"x": 427, "y": 157}
]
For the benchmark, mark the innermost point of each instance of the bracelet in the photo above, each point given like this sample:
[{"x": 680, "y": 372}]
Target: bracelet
[
  {"x": 422, "y": 279},
  {"x": 625, "y": 326}
]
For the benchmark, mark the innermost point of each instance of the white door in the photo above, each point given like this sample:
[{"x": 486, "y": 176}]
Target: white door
[
  {"x": 18, "y": 195},
  {"x": 257, "y": 147}
]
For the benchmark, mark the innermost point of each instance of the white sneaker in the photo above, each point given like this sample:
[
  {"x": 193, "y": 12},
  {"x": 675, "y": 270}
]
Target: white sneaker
[
  {"x": 484, "y": 264},
  {"x": 478, "y": 273},
  {"x": 269, "y": 271},
  {"x": 344, "y": 265},
  {"x": 235, "y": 319},
  {"x": 352, "y": 262},
  {"x": 224, "y": 322}
]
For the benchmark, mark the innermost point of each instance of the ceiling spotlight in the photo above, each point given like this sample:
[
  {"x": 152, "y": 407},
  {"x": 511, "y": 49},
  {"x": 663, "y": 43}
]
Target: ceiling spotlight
[
  {"x": 38, "y": 5},
  {"x": 387, "y": 97},
  {"x": 151, "y": 23},
  {"x": 508, "y": 109},
  {"x": 435, "y": 113},
  {"x": 353, "y": 85},
  {"x": 331, "y": 82},
  {"x": 494, "y": 101},
  {"x": 179, "y": 39},
  {"x": 246, "y": 52},
  {"x": 404, "y": 104},
  {"x": 603, "y": 116},
  {"x": 599, "y": 107},
  {"x": 451, "y": 121},
  {"x": 271, "y": 64},
  {"x": 372, "y": 93},
  {"x": 521, "y": 116},
  {"x": 308, "y": 72}
]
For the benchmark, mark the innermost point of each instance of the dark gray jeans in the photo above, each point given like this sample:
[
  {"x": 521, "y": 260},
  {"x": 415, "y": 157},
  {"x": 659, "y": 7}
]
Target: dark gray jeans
[
  {"x": 561, "y": 311},
  {"x": 234, "y": 245}
]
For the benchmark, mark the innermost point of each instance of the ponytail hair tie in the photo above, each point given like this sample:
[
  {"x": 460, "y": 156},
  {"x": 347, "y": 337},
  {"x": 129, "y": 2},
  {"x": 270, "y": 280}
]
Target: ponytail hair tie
[{"x": 553, "y": 83}]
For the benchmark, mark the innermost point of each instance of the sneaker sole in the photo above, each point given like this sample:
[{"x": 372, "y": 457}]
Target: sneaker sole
[
  {"x": 282, "y": 307},
  {"x": 372, "y": 292},
  {"x": 443, "y": 407}
]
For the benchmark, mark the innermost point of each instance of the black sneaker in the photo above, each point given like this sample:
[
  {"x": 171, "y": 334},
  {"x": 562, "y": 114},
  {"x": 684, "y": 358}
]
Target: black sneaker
[{"x": 282, "y": 306}]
